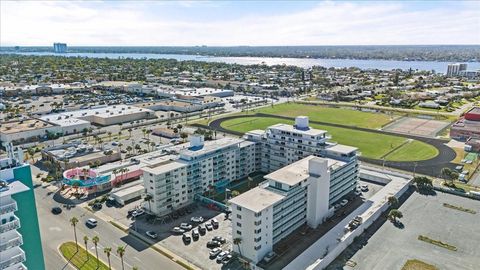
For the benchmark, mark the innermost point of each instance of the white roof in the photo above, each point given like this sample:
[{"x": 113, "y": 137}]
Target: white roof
[
  {"x": 257, "y": 199},
  {"x": 291, "y": 128},
  {"x": 343, "y": 149},
  {"x": 14, "y": 188}
]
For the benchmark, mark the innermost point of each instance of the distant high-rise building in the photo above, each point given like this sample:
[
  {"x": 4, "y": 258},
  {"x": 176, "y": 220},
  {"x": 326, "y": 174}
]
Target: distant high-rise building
[
  {"x": 60, "y": 47},
  {"x": 455, "y": 69},
  {"x": 20, "y": 244}
]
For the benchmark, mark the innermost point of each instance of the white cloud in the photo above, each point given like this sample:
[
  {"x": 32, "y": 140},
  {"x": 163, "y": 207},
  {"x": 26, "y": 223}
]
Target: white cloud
[{"x": 329, "y": 23}]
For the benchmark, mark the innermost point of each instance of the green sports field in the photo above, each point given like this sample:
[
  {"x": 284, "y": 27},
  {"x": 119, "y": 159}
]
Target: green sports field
[
  {"x": 372, "y": 145},
  {"x": 329, "y": 115}
]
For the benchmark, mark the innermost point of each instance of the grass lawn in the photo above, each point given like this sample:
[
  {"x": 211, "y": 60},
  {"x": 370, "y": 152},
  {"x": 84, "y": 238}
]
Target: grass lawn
[
  {"x": 79, "y": 259},
  {"x": 418, "y": 265},
  {"x": 421, "y": 151},
  {"x": 330, "y": 115},
  {"x": 371, "y": 145}
]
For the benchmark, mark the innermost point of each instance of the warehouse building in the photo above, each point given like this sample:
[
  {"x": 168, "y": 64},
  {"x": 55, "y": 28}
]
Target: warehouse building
[{"x": 468, "y": 126}]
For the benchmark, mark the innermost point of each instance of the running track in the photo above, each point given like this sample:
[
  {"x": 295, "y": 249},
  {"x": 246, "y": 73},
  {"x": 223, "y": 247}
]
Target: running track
[{"x": 430, "y": 167}]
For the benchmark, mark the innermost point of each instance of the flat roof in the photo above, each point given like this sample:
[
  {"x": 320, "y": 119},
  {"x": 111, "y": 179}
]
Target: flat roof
[
  {"x": 256, "y": 132},
  {"x": 164, "y": 167},
  {"x": 209, "y": 146},
  {"x": 129, "y": 190},
  {"x": 298, "y": 171},
  {"x": 104, "y": 112},
  {"x": 23, "y": 125},
  {"x": 257, "y": 199},
  {"x": 13, "y": 188},
  {"x": 291, "y": 128},
  {"x": 343, "y": 149}
]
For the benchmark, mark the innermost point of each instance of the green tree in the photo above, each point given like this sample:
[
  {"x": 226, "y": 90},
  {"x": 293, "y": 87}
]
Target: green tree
[
  {"x": 95, "y": 241},
  {"x": 148, "y": 198},
  {"x": 121, "y": 253},
  {"x": 237, "y": 241},
  {"x": 394, "y": 214},
  {"x": 85, "y": 241},
  {"x": 73, "y": 222},
  {"x": 108, "y": 251},
  {"x": 392, "y": 201}
]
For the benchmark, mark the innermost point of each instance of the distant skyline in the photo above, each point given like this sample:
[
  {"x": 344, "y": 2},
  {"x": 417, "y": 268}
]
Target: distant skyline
[{"x": 227, "y": 23}]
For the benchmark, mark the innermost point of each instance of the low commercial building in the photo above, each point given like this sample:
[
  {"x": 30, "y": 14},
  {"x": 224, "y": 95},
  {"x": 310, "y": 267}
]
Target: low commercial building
[
  {"x": 103, "y": 116},
  {"x": 79, "y": 155},
  {"x": 195, "y": 92},
  {"x": 303, "y": 192},
  {"x": 468, "y": 126},
  {"x": 30, "y": 129}
]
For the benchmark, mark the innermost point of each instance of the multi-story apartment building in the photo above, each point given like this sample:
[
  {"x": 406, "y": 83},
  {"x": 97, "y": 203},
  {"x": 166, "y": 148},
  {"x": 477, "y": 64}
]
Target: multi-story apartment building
[
  {"x": 283, "y": 144},
  {"x": 60, "y": 47},
  {"x": 301, "y": 193},
  {"x": 20, "y": 245},
  {"x": 174, "y": 179},
  {"x": 455, "y": 69}
]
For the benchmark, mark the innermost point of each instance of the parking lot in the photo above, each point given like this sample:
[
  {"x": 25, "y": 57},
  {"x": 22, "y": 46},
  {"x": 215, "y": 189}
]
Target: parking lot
[
  {"x": 389, "y": 247},
  {"x": 195, "y": 251}
]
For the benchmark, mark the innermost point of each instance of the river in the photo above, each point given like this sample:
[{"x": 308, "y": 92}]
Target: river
[{"x": 440, "y": 67}]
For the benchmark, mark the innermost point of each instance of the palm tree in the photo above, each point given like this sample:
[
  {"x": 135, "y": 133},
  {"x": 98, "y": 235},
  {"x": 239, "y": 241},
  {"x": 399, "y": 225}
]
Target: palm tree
[
  {"x": 134, "y": 268},
  {"x": 129, "y": 149},
  {"x": 394, "y": 214},
  {"x": 85, "y": 240},
  {"x": 130, "y": 133},
  {"x": 95, "y": 241},
  {"x": 148, "y": 198},
  {"x": 31, "y": 153},
  {"x": 107, "y": 251},
  {"x": 393, "y": 201},
  {"x": 121, "y": 253},
  {"x": 237, "y": 241},
  {"x": 73, "y": 222}
]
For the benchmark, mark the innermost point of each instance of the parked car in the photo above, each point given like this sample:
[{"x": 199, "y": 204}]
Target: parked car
[
  {"x": 91, "y": 222},
  {"x": 269, "y": 257},
  {"x": 97, "y": 206},
  {"x": 178, "y": 230},
  {"x": 202, "y": 229},
  {"x": 214, "y": 223},
  {"x": 195, "y": 233},
  {"x": 138, "y": 212},
  {"x": 186, "y": 238},
  {"x": 197, "y": 219},
  {"x": 219, "y": 239},
  {"x": 213, "y": 244},
  {"x": 344, "y": 202},
  {"x": 222, "y": 255},
  {"x": 227, "y": 259},
  {"x": 56, "y": 210},
  {"x": 364, "y": 188},
  {"x": 208, "y": 226},
  {"x": 111, "y": 202},
  {"x": 151, "y": 234},
  {"x": 185, "y": 226},
  {"x": 215, "y": 252}
]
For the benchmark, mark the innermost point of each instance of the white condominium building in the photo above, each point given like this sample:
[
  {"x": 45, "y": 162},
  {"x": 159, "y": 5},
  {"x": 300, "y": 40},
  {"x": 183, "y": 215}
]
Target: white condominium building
[
  {"x": 301, "y": 193},
  {"x": 174, "y": 179}
]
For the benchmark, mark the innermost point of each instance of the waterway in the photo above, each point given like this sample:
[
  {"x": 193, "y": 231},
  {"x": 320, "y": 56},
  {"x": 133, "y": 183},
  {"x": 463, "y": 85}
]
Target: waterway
[{"x": 440, "y": 67}]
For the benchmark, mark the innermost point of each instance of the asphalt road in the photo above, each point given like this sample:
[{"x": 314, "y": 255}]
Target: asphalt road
[
  {"x": 57, "y": 229},
  {"x": 430, "y": 167}
]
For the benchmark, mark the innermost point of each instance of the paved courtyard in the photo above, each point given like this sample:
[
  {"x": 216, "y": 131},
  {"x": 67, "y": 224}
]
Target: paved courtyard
[{"x": 390, "y": 247}]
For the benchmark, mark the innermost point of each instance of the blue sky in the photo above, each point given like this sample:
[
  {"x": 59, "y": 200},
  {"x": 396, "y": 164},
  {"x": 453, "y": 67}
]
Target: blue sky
[{"x": 229, "y": 23}]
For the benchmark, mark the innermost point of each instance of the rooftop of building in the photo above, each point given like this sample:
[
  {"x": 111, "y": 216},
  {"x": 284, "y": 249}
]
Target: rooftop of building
[
  {"x": 342, "y": 149},
  {"x": 257, "y": 199},
  {"x": 11, "y": 188},
  {"x": 104, "y": 112},
  {"x": 298, "y": 171},
  {"x": 291, "y": 128},
  {"x": 258, "y": 132},
  {"x": 23, "y": 125},
  {"x": 164, "y": 167},
  {"x": 208, "y": 146}
]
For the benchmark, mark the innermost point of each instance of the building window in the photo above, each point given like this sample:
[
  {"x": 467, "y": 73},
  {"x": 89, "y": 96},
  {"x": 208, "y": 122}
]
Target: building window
[
  {"x": 258, "y": 247},
  {"x": 258, "y": 231},
  {"x": 257, "y": 223},
  {"x": 239, "y": 216},
  {"x": 258, "y": 239},
  {"x": 239, "y": 208},
  {"x": 239, "y": 224},
  {"x": 239, "y": 232},
  {"x": 259, "y": 214}
]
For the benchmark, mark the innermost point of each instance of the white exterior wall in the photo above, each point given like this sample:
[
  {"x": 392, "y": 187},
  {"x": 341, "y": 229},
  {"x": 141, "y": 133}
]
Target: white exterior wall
[
  {"x": 255, "y": 232},
  {"x": 318, "y": 192},
  {"x": 8, "y": 137}
]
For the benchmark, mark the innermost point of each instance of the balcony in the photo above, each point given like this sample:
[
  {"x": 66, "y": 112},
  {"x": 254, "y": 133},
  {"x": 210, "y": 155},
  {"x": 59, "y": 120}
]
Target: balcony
[
  {"x": 8, "y": 206},
  {"x": 10, "y": 239},
  {"x": 11, "y": 257},
  {"x": 18, "y": 266},
  {"x": 12, "y": 223}
]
